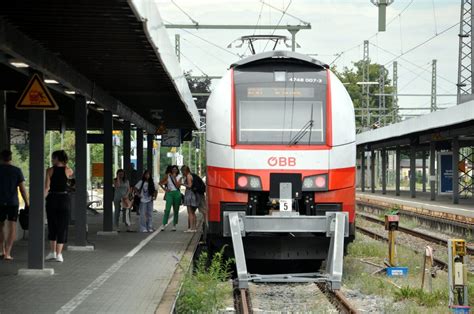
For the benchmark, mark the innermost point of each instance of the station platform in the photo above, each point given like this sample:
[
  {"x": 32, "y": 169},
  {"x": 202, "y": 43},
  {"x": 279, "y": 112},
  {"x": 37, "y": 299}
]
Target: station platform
[
  {"x": 441, "y": 208},
  {"x": 126, "y": 273}
]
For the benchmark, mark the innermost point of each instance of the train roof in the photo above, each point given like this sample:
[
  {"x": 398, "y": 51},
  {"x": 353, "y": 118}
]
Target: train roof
[{"x": 279, "y": 54}]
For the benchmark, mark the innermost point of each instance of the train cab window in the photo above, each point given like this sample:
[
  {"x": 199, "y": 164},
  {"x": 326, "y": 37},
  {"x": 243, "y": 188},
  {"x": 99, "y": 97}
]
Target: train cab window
[{"x": 285, "y": 111}]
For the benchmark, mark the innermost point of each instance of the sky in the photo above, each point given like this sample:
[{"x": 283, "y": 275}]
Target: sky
[{"x": 338, "y": 27}]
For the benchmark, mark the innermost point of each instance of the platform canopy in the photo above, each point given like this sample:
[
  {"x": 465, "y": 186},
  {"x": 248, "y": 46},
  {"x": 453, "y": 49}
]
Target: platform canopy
[
  {"x": 114, "y": 52},
  {"x": 439, "y": 126}
]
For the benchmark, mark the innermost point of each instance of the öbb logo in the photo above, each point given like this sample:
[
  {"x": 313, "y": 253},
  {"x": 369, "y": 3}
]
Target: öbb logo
[{"x": 281, "y": 161}]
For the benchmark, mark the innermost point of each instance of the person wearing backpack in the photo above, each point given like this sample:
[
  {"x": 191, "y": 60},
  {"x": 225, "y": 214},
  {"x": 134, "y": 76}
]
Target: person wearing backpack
[{"x": 191, "y": 199}]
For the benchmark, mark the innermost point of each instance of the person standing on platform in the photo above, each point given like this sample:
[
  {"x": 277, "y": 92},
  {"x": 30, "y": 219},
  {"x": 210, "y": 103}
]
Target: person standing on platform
[
  {"x": 145, "y": 189},
  {"x": 121, "y": 190},
  {"x": 57, "y": 203},
  {"x": 190, "y": 198},
  {"x": 171, "y": 184},
  {"x": 11, "y": 178}
]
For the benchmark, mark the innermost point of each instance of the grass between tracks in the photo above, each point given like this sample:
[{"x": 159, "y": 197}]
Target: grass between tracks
[
  {"x": 205, "y": 289},
  {"x": 400, "y": 295}
]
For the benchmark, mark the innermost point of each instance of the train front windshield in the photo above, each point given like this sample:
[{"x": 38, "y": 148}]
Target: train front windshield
[{"x": 280, "y": 106}]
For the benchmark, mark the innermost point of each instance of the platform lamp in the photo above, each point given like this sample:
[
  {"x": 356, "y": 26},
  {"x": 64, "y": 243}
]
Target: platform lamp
[{"x": 382, "y": 5}]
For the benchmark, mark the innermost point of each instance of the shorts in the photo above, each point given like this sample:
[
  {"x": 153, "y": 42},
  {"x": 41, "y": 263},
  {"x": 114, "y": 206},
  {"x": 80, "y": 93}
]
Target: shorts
[
  {"x": 9, "y": 212},
  {"x": 202, "y": 204}
]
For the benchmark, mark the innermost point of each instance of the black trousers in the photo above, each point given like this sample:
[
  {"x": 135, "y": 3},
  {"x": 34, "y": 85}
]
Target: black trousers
[{"x": 57, "y": 213}]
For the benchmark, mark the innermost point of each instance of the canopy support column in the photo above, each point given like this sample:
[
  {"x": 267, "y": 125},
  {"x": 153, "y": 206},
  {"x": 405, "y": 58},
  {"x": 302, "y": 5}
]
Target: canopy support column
[
  {"x": 80, "y": 202},
  {"x": 412, "y": 171},
  {"x": 127, "y": 149},
  {"x": 372, "y": 171},
  {"x": 140, "y": 152},
  {"x": 108, "y": 174},
  {"x": 455, "y": 149},
  {"x": 383, "y": 156},
  {"x": 362, "y": 170},
  {"x": 37, "y": 129},
  {"x": 423, "y": 161},
  {"x": 397, "y": 171},
  {"x": 432, "y": 171},
  {"x": 4, "y": 138},
  {"x": 149, "y": 153}
]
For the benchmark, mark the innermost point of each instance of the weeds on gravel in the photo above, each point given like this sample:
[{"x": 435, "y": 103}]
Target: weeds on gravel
[
  {"x": 436, "y": 298},
  {"x": 204, "y": 290},
  {"x": 366, "y": 249}
]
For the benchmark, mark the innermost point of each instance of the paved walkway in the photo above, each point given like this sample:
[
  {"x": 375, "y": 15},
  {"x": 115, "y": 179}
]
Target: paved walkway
[
  {"x": 464, "y": 211},
  {"x": 127, "y": 273}
]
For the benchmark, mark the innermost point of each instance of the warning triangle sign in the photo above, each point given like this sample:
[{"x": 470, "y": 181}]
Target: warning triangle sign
[{"x": 36, "y": 96}]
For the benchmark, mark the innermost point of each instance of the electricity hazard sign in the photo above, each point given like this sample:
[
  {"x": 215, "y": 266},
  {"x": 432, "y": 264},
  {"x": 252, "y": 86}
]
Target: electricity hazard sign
[{"x": 36, "y": 96}]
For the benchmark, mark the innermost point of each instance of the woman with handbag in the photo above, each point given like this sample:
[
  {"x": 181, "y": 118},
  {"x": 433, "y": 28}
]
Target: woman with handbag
[
  {"x": 145, "y": 189},
  {"x": 174, "y": 198}
]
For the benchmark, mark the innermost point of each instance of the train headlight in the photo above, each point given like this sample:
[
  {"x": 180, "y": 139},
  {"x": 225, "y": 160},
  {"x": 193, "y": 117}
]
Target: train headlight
[
  {"x": 247, "y": 182},
  {"x": 316, "y": 183}
]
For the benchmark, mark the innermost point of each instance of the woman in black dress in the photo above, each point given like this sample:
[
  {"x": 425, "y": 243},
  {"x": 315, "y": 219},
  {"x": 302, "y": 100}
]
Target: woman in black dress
[{"x": 57, "y": 203}]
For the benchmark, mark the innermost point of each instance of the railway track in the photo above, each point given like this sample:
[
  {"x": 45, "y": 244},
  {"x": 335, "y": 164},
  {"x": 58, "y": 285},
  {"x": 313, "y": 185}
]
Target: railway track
[
  {"x": 243, "y": 304},
  {"x": 414, "y": 233},
  {"x": 338, "y": 299},
  {"x": 437, "y": 262},
  {"x": 242, "y": 301}
]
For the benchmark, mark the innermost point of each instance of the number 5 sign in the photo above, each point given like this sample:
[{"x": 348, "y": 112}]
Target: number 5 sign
[{"x": 286, "y": 205}]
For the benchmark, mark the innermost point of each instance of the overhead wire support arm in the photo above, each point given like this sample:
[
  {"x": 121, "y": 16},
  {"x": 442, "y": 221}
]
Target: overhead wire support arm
[{"x": 238, "y": 26}]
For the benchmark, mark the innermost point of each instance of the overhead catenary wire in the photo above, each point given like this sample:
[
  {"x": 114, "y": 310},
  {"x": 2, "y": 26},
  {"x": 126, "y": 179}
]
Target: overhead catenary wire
[
  {"x": 194, "y": 64},
  {"x": 279, "y": 21},
  {"x": 205, "y": 40},
  {"x": 416, "y": 77},
  {"x": 184, "y": 12},
  {"x": 284, "y": 12},
  {"x": 205, "y": 50},
  {"x": 376, "y": 33},
  {"x": 423, "y": 42},
  {"x": 412, "y": 63}
]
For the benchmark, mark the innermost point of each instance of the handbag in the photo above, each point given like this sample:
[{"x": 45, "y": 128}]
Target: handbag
[
  {"x": 182, "y": 195},
  {"x": 24, "y": 218},
  {"x": 136, "y": 198}
]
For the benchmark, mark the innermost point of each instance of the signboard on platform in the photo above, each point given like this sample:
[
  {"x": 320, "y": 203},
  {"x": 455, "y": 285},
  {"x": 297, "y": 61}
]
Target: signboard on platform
[
  {"x": 97, "y": 169},
  {"x": 445, "y": 166},
  {"x": 36, "y": 96}
]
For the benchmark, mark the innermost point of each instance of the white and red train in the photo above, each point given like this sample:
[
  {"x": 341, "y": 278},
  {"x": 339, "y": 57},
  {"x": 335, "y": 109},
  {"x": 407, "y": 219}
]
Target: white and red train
[{"x": 280, "y": 112}]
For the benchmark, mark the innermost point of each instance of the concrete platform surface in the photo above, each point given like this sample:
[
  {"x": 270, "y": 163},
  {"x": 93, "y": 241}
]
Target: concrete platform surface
[
  {"x": 441, "y": 208},
  {"x": 127, "y": 273}
]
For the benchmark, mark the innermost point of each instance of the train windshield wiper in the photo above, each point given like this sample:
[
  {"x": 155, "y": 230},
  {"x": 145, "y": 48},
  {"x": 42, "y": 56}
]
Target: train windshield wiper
[{"x": 308, "y": 127}]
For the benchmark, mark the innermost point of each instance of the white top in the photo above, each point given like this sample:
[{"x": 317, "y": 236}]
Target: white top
[
  {"x": 145, "y": 196},
  {"x": 170, "y": 184}
]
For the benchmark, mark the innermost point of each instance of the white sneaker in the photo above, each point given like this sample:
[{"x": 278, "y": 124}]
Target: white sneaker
[
  {"x": 59, "y": 258},
  {"x": 174, "y": 228},
  {"x": 162, "y": 228},
  {"x": 51, "y": 256}
]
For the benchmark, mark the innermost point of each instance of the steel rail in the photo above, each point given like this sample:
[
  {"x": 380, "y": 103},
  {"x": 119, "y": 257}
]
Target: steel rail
[
  {"x": 242, "y": 301},
  {"x": 338, "y": 299},
  {"x": 414, "y": 233},
  {"x": 376, "y": 236}
]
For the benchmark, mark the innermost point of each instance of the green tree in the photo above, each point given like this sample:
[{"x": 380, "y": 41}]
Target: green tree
[{"x": 350, "y": 77}]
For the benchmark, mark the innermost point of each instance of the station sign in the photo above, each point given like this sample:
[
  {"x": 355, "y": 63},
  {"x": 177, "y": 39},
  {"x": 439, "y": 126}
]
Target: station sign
[
  {"x": 445, "y": 162},
  {"x": 36, "y": 96}
]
